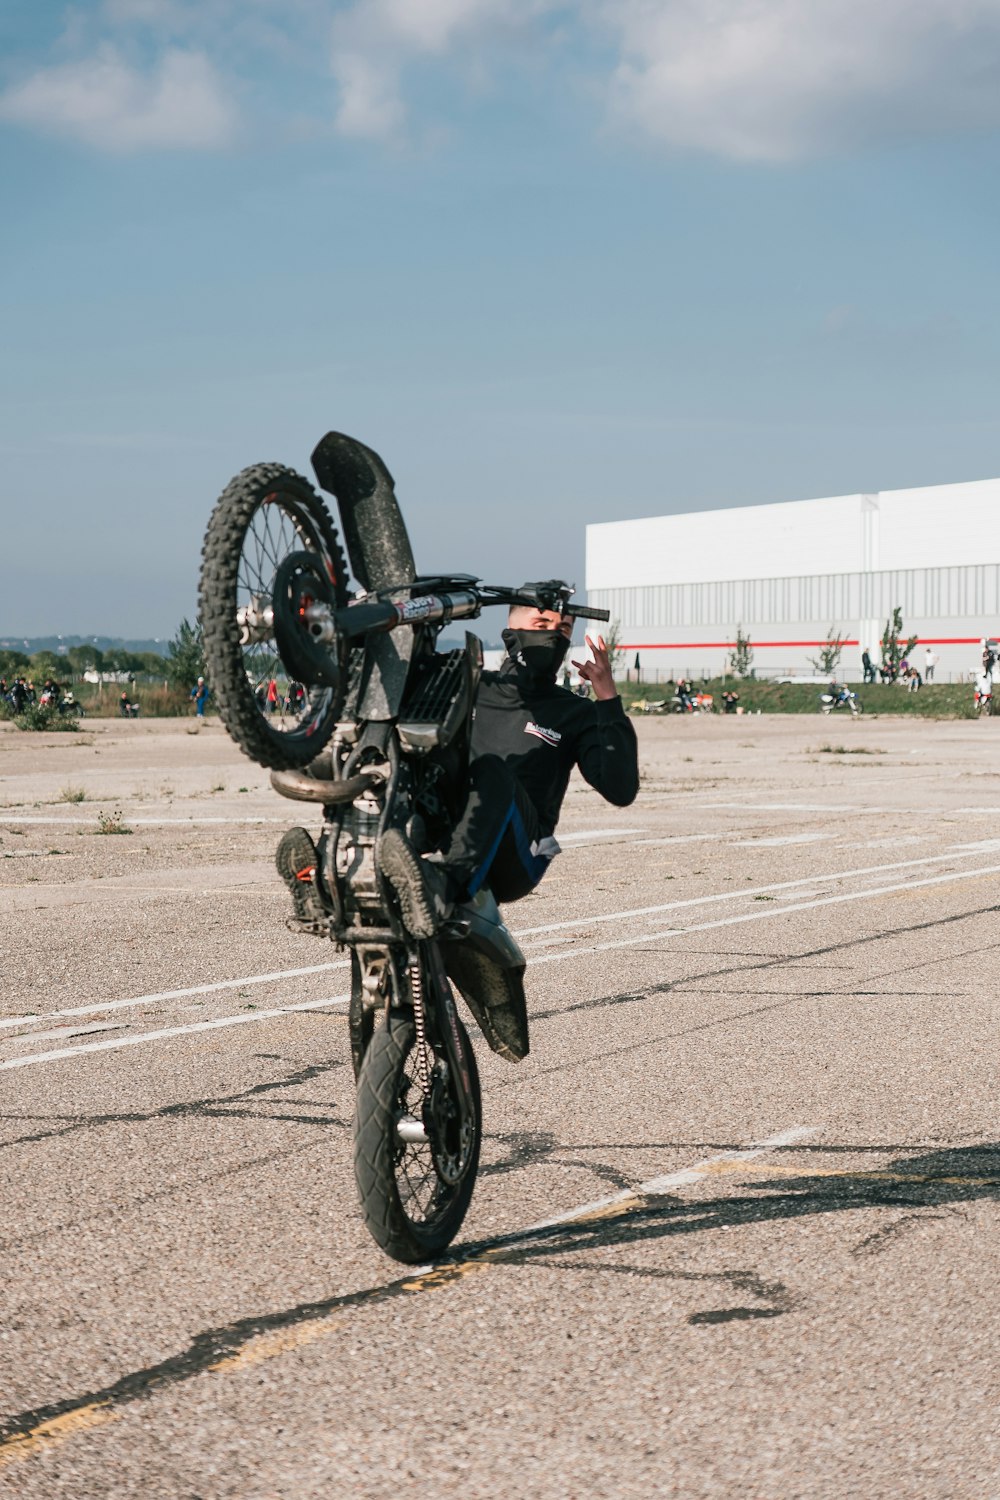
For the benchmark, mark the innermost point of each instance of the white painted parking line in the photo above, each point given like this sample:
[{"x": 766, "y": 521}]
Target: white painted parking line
[
  {"x": 813, "y": 807},
  {"x": 163, "y": 996},
  {"x": 587, "y": 834},
  {"x": 681, "y": 838},
  {"x": 172, "y": 1031},
  {"x": 15, "y": 820},
  {"x": 166, "y": 996},
  {"x": 688, "y": 1175},
  {"x": 583, "y": 950},
  {"x": 815, "y": 878},
  {"x": 683, "y": 1178},
  {"x": 788, "y": 838}
]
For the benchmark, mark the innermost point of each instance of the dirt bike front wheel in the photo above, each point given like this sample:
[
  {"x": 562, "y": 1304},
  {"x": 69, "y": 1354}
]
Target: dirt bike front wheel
[
  {"x": 414, "y": 1160},
  {"x": 263, "y": 516}
]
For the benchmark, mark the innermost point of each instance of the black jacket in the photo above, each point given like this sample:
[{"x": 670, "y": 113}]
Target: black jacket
[{"x": 542, "y": 731}]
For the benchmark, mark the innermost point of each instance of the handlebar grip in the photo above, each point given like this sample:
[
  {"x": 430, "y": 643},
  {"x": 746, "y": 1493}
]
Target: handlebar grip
[{"x": 582, "y": 612}]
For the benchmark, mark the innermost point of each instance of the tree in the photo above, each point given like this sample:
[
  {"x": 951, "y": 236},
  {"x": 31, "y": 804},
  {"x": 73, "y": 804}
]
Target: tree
[
  {"x": 741, "y": 656},
  {"x": 13, "y": 663},
  {"x": 829, "y": 654},
  {"x": 118, "y": 659},
  {"x": 152, "y": 662},
  {"x": 47, "y": 664},
  {"x": 892, "y": 651},
  {"x": 185, "y": 660},
  {"x": 85, "y": 658},
  {"x": 613, "y": 641}
]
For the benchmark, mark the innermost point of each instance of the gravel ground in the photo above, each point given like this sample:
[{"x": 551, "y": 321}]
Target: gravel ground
[{"x": 765, "y": 1041}]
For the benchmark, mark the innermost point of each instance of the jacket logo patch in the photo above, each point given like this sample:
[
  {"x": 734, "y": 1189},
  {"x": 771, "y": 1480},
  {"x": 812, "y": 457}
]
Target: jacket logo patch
[{"x": 547, "y": 736}]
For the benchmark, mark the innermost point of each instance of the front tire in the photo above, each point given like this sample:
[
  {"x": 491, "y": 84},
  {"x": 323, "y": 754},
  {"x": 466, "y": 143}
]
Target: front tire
[
  {"x": 412, "y": 1211},
  {"x": 266, "y": 513}
]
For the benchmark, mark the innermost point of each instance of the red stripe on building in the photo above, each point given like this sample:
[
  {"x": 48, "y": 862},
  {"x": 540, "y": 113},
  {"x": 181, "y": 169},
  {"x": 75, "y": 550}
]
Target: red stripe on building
[{"x": 952, "y": 640}]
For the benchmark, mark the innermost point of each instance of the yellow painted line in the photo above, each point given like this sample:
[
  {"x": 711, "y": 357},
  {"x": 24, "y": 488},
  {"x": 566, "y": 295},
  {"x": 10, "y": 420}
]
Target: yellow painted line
[
  {"x": 267, "y": 1346},
  {"x": 753, "y": 1169},
  {"x": 50, "y": 1434},
  {"x": 272, "y": 1345}
]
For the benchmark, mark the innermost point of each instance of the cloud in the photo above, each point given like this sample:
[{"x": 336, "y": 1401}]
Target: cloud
[
  {"x": 747, "y": 80},
  {"x": 744, "y": 80},
  {"x": 778, "y": 80},
  {"x": 369, "y": 103},
  {"x": 375, "y": 40},
  {"x": 105, "y": 102}
]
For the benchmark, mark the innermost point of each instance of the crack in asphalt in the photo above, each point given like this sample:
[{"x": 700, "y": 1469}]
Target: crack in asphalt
[{"x": 937, "y": 1181}]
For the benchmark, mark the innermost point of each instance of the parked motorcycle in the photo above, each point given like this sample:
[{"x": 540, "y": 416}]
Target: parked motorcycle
[
  {"x": 840, "y": 697},
  {"x": 380, "y": 740},
  {"x": 697, "y": 703}
]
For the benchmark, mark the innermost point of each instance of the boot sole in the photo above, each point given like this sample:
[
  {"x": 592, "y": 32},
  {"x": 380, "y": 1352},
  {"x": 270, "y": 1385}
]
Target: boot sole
[
  {"x": 402, "y": 870},
  {"x": 296, "y": 852}
]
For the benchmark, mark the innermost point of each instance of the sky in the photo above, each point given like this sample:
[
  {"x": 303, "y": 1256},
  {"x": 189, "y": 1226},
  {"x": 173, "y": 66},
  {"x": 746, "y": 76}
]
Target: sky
[{"x": 556, "y": 262}]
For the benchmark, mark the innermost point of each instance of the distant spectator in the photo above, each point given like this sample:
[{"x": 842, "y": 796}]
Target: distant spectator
[
  {"x": 867, "y": 666},
  {"x": 729, "y": 702},
  {"x": 914, "y": 682},
  {"x": 931, "y": 660},
  {"x": 272, "y": 696},
  {"x": 200, "y": 695}
]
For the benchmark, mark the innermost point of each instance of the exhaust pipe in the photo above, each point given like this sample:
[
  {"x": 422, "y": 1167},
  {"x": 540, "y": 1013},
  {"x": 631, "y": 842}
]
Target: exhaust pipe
[{"x": 376, "y": 538}]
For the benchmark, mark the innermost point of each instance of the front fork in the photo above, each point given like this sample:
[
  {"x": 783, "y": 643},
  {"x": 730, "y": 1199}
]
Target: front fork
[
  {"x": 377, "y": 983},
  {"x": 449, "y": 1028}
]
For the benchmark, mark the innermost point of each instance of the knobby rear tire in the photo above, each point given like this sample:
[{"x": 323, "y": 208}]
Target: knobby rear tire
[
  {"x": 228, "y": 528},
  {"x": 377, "y": 1149}
]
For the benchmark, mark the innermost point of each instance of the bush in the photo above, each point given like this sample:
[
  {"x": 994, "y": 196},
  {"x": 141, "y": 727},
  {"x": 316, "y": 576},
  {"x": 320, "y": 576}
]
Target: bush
[
  {"x": 47, "y": 719},
  {"x": 935, "y": 701},
  {"x": 155, "y": 701}
]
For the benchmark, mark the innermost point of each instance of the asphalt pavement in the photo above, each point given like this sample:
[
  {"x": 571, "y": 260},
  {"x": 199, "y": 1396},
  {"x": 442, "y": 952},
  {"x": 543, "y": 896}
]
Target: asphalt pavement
[{"x": 735, "y": 1233}]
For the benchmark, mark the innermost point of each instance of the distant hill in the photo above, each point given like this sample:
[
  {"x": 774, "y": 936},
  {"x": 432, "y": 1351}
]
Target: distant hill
[{"x": 60, "y": 644}]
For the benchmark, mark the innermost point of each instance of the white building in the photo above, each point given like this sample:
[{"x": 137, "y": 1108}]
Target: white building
[{"x": 789, "y": 573}]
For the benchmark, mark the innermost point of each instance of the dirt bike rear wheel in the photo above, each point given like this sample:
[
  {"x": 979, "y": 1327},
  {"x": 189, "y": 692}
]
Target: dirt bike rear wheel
[
  {"x": 266, "y": 513},
  {"x": 412, "y": 1210}
]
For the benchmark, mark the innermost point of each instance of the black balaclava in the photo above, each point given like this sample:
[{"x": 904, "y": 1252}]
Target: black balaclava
[{"x": 541, "y": 652}]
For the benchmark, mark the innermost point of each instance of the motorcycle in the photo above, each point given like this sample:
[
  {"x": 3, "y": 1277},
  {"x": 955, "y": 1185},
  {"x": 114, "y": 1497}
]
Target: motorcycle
[
  {"x": 840, "y": 697},
  {"x": 698, "y": 703},
  {"x": 379, "y": 740}
]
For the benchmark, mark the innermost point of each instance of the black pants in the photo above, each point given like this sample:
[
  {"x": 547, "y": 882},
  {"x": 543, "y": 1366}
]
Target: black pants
[{"x": 491, "y": 844}]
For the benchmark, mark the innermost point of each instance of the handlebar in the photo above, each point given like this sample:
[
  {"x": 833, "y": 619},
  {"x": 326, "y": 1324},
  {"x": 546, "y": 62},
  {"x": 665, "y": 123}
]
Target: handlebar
[
  {"x": 551, "y": 595},
  {"x": 375, "y": 616}
]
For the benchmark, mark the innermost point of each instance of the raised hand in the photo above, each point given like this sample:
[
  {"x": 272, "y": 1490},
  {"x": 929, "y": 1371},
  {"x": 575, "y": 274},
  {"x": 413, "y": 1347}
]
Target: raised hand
[{"x": 598, "y": 672}]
